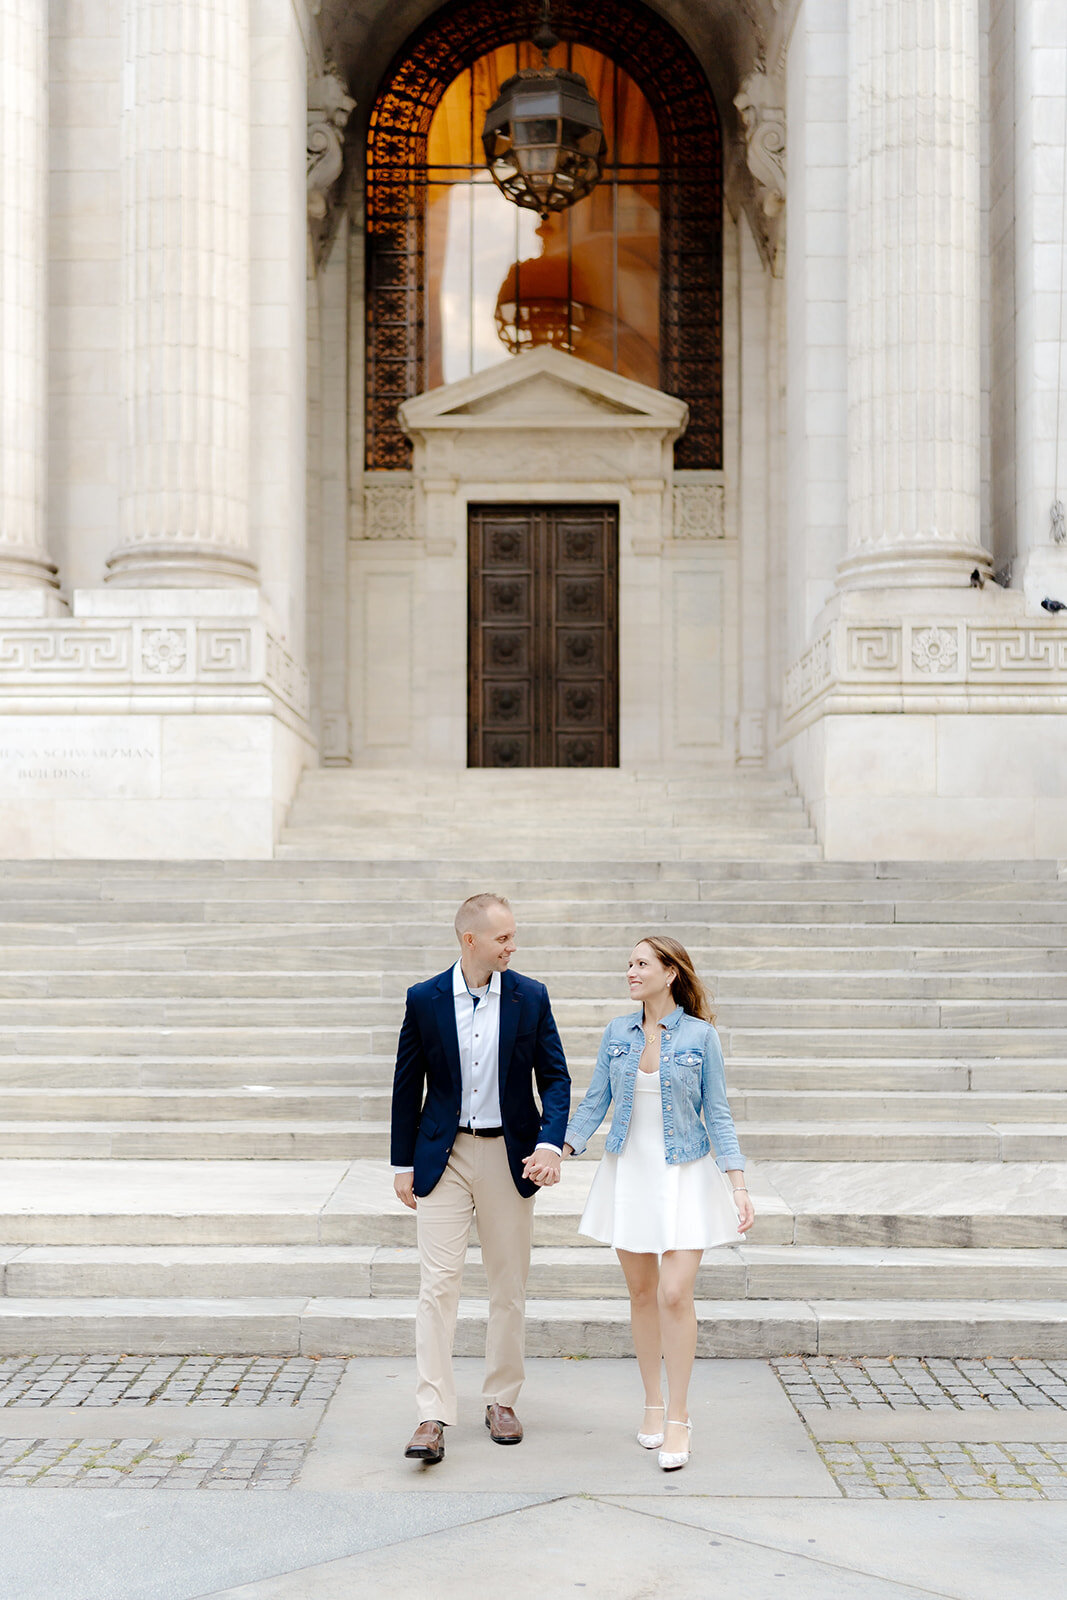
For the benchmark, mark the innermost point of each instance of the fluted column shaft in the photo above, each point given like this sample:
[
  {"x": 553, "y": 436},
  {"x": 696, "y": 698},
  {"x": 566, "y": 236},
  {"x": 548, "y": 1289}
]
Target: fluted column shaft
[
  {"x": 185, "y": 316},
  {"x": 914, "y": 294},
  {"x": 23, "y": 293}
]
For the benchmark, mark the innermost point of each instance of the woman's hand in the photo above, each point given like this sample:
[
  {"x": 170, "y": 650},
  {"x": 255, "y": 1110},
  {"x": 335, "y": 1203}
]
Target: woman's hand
[
  {"x": 745, "y": 1209},
  {"x": 568, "y": 1149}
]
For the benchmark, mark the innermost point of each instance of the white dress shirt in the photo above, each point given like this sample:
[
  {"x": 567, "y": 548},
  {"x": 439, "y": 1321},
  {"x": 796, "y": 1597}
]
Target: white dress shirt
[{"x": 478, "y": 1032}]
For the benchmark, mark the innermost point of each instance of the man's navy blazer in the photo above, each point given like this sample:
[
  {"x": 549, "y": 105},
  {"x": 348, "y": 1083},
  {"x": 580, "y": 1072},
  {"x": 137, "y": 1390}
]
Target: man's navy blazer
[{"x": 426, "y": 1084}]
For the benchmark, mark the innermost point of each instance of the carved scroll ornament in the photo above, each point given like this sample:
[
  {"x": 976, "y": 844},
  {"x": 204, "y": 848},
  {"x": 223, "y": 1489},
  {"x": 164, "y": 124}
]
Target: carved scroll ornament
[
  {"x": 329, "y": 108},
  {"x": 761, "y": 102}
]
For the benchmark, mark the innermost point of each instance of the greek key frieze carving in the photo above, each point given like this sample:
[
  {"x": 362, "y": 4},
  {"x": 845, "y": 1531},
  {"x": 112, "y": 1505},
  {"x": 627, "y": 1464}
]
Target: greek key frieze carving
[
  {"x": 874, "y": 649},
  {"x": 1016, "y": 650},
  {"x": 286, "y": 677},
  {"x": 58, "y": 650},
  {"x": 809, "y": 675},
  {"x": 224, "y": 650}
]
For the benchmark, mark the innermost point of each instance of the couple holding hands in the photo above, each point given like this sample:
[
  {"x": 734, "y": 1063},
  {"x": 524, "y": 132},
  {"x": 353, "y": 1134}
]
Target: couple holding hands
[{"x": 468, "y": 1140}]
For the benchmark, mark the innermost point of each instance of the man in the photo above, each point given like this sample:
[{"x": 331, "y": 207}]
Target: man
[{"x": 469, "y": 1141}]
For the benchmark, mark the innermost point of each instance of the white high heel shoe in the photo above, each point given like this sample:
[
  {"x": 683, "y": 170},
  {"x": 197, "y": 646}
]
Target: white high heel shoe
[
  {"x": 671, "y": 1460},
  {"x": 651, "y": 1441}
]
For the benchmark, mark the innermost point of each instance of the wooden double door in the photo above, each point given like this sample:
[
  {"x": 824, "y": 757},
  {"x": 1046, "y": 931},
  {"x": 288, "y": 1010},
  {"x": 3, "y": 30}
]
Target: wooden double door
[{"x": 543, "y": 651}]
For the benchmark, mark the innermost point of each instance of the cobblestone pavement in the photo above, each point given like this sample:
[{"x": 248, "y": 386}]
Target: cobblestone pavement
[
  {"x": 898, "y": 1471},
  {"x": 151, "y": 1463},
  {"x": 1002, "y": 1382},
  {"x": 948, "y": 1471},
  {"x": 179, "y": 1380}
]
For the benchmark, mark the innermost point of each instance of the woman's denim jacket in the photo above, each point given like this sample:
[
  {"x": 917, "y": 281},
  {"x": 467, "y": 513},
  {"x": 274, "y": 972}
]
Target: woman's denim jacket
[{"x": 691, "y": 1081}]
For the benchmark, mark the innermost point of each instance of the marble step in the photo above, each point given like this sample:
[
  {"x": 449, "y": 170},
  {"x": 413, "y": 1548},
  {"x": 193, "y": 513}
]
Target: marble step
[
  {"x": 968, "y": 1072},
  {"x": 627, "y": 884},
  {"x": 544, "y": 921},
  {"x": 69, "y": 873},
  {"x": 423, "y": 820},
  {"x": 576, "y": 1328},
  {"x": 596, "y": 989},
  {"x": 545, "y": 947},
  {"x": 909, "y": 1203},
  {"x": 767, "y": 1109},
  {"x": 978, "y": 1043},
  {"x": 848, "y": 1106},
  {"x": 274, "y": 1139},
  {"x": 580, "y": 1044},
  {"x": 759, "y": 1272},
  {"x": 298, "y": 1070},
  {"x": 358, "y": 1015},
  {"x": 109, "y": 967},
  {"x": 758, "y": 847}
]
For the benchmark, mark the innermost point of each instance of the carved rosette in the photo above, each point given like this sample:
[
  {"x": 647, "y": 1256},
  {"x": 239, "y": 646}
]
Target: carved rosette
[
  {"x": 699, "y": 511},
  {"x": 164, "y": 651},
  {"x": 934, "y": 650},
  {"x": 389, "y": 508}
]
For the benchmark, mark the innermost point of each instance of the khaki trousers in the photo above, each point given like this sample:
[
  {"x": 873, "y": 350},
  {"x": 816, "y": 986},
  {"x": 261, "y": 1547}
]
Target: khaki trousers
[{"x": 476, "y": 1183}]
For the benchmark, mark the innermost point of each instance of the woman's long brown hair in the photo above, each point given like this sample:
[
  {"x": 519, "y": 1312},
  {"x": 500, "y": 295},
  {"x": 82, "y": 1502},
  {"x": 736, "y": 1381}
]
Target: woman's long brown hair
[{"x": 687, "y": 990}]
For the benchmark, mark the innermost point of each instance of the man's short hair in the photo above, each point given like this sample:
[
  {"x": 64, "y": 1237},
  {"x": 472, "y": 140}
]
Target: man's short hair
[{"x": 471, "y": 913}]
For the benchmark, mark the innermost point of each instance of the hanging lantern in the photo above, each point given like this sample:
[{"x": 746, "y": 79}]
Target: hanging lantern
[{"x": 543, "y": 138}]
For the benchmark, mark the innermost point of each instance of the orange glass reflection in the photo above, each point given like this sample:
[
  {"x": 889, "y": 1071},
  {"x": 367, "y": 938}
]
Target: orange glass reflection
[{"x": 499, "y": 281}]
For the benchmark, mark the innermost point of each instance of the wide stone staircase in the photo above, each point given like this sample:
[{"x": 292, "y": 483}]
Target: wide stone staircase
[{"x": 195, "y": 1064}]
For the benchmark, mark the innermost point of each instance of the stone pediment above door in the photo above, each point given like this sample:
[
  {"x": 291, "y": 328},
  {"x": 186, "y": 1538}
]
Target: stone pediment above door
[{"x": 544, "y": 416}]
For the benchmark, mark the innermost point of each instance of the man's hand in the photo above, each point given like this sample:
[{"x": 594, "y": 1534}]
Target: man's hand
[
  {"x": 404, "y": 1187},
  {"x": 541, "y": 1167}
]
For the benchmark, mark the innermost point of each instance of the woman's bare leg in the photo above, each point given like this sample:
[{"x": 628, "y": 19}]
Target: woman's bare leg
[
  {"x": 678, "y": 1332},
  {"x": 641, "y": 1272}
]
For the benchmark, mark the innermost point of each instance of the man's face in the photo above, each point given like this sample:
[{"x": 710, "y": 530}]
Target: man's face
[{"x": 492, "y": 942}]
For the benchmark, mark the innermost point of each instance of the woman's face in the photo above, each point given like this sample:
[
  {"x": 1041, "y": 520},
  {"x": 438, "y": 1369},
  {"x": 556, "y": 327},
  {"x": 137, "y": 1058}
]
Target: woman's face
[{"x": 649, "y": 979}]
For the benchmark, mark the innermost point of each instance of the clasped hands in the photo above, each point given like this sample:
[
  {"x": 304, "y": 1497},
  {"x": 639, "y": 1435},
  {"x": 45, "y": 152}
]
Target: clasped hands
[{"x": 541, "y": 1167}]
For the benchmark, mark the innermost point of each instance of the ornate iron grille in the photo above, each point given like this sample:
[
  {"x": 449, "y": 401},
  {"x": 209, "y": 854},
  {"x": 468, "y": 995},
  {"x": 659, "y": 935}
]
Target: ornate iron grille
[{"x": 690, "y": 203}]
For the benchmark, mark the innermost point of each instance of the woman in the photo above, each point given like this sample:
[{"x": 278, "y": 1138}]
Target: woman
[{"x": 658, "y": 1195}]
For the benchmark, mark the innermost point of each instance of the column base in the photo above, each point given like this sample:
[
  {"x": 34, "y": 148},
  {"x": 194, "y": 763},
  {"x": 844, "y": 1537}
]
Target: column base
[
  {"x": 26, "y": 570},
  {"x": 921, "y": 564},
  {"x": 179, "y": 566}
]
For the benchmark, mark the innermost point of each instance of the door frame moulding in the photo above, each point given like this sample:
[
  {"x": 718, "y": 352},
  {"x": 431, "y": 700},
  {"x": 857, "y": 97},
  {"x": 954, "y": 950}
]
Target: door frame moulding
[{"x": 540, "y": 427}]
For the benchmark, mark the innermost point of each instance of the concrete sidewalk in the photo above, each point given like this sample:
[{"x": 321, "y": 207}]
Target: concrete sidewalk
[{"x": 578, "y": 1508}]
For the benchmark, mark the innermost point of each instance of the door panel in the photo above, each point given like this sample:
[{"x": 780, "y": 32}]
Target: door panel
[{"x": 543, "y": 645}]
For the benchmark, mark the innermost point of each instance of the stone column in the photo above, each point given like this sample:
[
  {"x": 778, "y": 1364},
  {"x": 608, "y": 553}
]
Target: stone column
[
  {"x": 24, "y": 560},
  {"x": 914, "y": 295},
  {"x": 185, "y": 304}
]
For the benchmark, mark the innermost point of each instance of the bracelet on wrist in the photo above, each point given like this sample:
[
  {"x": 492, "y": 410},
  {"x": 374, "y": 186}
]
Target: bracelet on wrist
[{"x": 739, "y": 1188}]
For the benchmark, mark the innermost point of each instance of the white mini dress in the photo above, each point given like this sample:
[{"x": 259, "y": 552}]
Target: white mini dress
[{"x": 641, "y": 1203}]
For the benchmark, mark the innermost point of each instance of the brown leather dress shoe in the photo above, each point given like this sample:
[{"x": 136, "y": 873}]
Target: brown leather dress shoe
[
  {"x": 504, "y": 1426},
  {"x": 427, "y": 1443}
]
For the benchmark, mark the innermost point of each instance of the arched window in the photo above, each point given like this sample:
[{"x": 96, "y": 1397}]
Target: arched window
[{"x": 629, "y": 279}]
